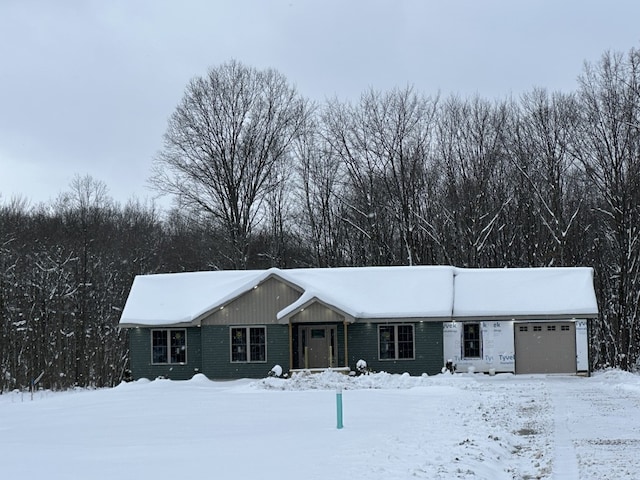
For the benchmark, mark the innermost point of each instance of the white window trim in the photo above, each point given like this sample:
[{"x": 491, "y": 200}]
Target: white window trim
[
  {"x": 247, "y": 328},
  {"x": 395, "y": 341},
  {"x": 169, "y": 330}
]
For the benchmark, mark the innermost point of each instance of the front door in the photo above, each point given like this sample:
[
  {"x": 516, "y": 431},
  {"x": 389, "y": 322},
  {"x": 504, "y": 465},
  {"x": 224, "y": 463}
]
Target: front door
[{"x": 318, "y": 346}]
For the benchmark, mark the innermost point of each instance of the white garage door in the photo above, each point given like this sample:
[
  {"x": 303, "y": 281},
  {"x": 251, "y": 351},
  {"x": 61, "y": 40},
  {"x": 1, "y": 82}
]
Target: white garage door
[{"x": 545, "y": 347}]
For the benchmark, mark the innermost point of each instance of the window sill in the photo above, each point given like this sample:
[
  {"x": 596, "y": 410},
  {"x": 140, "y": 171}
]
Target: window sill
[{"x": 396, "y": 359}]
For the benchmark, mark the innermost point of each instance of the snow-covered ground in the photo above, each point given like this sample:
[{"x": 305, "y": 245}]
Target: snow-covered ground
[{"x": 395, "y": 427}]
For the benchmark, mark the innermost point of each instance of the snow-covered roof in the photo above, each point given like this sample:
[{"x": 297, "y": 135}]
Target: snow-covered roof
[
  {"x": 367, "y": 292},
  {"x": 378, "y": 292},
  {"x": 524, "y": 292},
  {"x": 174, "y": 298},
  {"x": 440, "y": 292}
]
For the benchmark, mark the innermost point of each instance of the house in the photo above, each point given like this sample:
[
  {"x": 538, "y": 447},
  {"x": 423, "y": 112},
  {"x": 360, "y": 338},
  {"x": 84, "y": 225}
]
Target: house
[{"x": 236, "y": 324}]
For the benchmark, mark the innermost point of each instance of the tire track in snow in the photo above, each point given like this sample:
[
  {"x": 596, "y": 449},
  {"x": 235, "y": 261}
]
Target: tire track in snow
[{"x": 565, "y": 460}]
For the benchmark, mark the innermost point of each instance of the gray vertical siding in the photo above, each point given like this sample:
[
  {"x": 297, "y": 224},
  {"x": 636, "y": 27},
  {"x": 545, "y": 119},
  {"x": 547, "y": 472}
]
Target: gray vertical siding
[
  {"x": 363, "y": 344},
  {"x": 258, "y": 306},
  {"x": 140, "y": 356},
  {"x": 317, "y": 313}
]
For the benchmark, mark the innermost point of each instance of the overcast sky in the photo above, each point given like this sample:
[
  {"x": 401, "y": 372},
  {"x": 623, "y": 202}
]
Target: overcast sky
[{"x": 86, "y": 87}]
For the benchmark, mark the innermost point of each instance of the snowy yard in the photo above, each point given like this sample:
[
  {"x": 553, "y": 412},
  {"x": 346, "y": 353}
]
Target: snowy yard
[{"x": 462, "y": 426}]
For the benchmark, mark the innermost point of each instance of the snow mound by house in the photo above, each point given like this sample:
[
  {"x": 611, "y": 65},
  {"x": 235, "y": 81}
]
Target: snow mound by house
[{"x": 332, "y": 380}]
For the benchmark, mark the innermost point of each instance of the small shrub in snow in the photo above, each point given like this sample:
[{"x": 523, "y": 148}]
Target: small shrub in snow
[
  {"x": 362, "y": 368},
  {"x": 449, "y": 367},
  {"x": 200, "y": 378}
]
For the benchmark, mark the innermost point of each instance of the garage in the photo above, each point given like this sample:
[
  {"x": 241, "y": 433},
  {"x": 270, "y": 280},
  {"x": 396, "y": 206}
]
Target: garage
[{"x": 545, "y": 347}]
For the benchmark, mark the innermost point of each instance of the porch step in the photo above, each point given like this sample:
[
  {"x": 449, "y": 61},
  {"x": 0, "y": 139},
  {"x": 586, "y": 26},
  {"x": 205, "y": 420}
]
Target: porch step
[{"x": 344, "y": 370}]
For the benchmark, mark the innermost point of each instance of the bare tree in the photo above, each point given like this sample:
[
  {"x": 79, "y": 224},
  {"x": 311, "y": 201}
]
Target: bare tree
[
  {"x": 384, "y": 143},
  {"x": 610, "y": 153},
  {"x": 319, "y": 178},
  {"x": 65, "y": 271},
  {"x": 541, "y": 149},
  {"x": 227, "y": 136},
  {"x": 85, "y": 209},
  {"x": 475, "y": 179},
  {"x": 401, "y": 127}
]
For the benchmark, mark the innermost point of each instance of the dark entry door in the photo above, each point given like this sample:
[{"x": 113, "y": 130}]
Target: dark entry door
[{"x": 318, "y": 346}]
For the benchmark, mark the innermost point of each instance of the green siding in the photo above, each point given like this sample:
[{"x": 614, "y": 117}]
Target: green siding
[
  {"x": 363, "y": 344},
  {"x": 216, "y": 358},
  {"x": 208, "y": 352},
  {"x": 140, "y": 356}
]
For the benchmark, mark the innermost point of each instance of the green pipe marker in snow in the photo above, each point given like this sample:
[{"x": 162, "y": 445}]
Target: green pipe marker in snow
[{"x": 339, "y": 406}]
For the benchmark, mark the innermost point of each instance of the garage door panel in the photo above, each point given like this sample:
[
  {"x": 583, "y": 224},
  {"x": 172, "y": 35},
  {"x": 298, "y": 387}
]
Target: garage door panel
[{"x": 545, "y": 347}]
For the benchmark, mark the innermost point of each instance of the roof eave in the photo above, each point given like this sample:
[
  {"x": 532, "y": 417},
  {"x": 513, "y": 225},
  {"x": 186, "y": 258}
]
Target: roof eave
[
  {"x": 503, "y": 317},
  {"x": 141, "y": 324},
  {"x": 401, "y": 318}
]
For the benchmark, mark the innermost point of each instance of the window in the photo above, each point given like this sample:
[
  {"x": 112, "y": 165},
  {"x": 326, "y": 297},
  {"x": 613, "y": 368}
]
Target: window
[
  {"x": 524, "y": 328},
  {"x": 317, "y": 333},
  {"x": 169, "y": 346},
  {"x": 471, "y": 340},
  {"x": 551, "y": 328},
  {"x": 565, "y": 328},
  {"x": 395, "y": 342},
  {"x": 537, "y": 328},
  {"x": 248, "y": 344}
]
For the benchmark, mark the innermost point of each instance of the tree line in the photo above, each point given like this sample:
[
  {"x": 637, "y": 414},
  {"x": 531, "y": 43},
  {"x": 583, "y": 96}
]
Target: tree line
[{"x": 261, "y": 176}]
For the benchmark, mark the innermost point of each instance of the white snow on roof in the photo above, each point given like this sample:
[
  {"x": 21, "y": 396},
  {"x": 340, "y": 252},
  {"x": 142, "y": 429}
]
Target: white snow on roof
[
  {"x": 172, "y": 298},
  {"x": 371, "y": 292},
  {"x": 487, "y": 292},
  {"x": 378, "y": 292},
  {"x": 367, "y": 292}
]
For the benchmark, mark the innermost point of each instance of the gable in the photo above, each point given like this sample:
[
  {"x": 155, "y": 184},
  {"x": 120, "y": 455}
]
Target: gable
[
  {"x": 258, "y": 305},
  {"x": 315, "y": 312}
]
